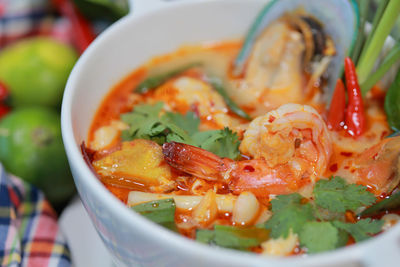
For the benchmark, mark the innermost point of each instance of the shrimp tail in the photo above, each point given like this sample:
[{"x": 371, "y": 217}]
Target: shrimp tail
[
  {"x": 247, "y": 175},
  {"x": 260, "y": 179},
  {"x": 195, "y": 161}
]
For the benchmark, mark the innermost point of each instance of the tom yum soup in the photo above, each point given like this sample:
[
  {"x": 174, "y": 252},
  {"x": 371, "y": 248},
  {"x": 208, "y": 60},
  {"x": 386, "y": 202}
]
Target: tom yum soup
[{"x": 252, "y": 156}]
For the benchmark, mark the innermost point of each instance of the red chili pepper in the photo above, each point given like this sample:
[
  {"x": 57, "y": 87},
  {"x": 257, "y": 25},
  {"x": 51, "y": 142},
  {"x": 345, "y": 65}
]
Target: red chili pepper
[
  {"x": 4, "y": 110},
  {"x": 337, "y": 107},
  {"x": 3, "y": 92},
  {"x": 83, "y": 33},
  {"x": 355, "y": 117}
]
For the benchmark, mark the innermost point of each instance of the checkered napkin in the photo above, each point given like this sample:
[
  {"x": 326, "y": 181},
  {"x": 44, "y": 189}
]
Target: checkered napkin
[
  {"x": 29, "y": 234},
  {"x": 25, "y": 18}
]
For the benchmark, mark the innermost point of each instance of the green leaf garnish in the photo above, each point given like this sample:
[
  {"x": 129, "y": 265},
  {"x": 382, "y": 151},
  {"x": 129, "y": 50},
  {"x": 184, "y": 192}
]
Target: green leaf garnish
[
  {"x": 240, "y": 238},
  {"x": 143, "y": 122},
  {"x": 319, "y": 236},
  {"x": 337, "y": 196},
  {"x": 159, "y": 211},
  {"x": 233, "y": 237},
  {"x": 289, "y": 213},
  {"x": 155, "y": 81},
  {"x": 205, "y": 236},
  {"x": 223, "y": 143},
  {"x": 318, "y": 223},
  {"x": 283, "y": 201},
  {"x": 146, "y": 122},
  {"x": 188, "y": 122},
  {"x": 390, "y": 203},
  {"x": 392, "y": 104},
  {"x": 219, "y": 87},
  {"x": 361, "y": 230}
]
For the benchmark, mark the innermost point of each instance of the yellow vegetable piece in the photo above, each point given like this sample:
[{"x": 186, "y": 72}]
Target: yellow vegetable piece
[{"x": 139, "y": 161}]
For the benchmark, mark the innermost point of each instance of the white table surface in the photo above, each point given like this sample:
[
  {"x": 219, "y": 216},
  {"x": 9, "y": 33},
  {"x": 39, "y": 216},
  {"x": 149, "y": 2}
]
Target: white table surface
[{"x": 85, "y": 245}]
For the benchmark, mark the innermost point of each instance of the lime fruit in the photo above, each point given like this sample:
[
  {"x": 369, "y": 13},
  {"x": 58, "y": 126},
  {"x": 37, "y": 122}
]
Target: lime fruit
[
  {"x": 31, "y": 147},
  {"x": 35, "y": 70}
]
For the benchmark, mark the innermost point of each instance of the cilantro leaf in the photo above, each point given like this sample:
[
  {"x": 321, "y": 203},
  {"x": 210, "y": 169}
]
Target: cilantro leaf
[
  {"x": 141, "y": 121},
  {"x": 361, "y": 230},
  {"x": 343, "y": 238},
  {"x": 390, "y": 203},
  {"x": 288, "y": 214},
  {"x": 282, "y": 201},
  {"x": 146, "y": 122},
  {"x": 188, "y": 122},
  {"x": 325, "y": 215},
  {"x": 223, "y": 143},
  {"x": 319, "y": 236},
  {"x": 154, "y": 81},
  {"x": 337, "y": 196},
  {"x": 318, "y": 224},
  {"x": 240, "y": 238}
]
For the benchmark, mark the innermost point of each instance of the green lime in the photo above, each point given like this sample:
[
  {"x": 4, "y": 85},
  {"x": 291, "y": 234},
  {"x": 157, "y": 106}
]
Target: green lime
[
  {"x": 31, "y": 147},
  {"x": 35, "y": 70}
]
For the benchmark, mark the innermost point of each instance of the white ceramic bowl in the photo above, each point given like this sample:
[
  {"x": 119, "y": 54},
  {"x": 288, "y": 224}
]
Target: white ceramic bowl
[{"x": 131, "y": 239}]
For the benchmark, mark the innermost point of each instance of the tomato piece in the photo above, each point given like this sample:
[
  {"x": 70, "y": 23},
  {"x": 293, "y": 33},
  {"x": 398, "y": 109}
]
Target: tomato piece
[
  {"x": 4, "y": 110},
  {"x": 3, "y": 92}
]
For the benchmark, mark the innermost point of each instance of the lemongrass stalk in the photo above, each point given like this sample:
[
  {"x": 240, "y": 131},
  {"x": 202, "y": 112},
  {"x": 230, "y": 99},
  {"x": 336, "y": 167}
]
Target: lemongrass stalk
[
  {"x": 364, "y": 8},
  {"x": 392, "y": 57},
  {"x": 383, "y": 29},
  {"x": 377, "y": 17}
]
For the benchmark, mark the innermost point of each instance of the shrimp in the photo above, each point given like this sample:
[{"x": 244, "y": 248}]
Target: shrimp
[
  {"x": 294, "y": 134},
  {"x": 192, "y": 94},
  {"x": 290, "y": 148},
  {"x": 377, "y": 167}
]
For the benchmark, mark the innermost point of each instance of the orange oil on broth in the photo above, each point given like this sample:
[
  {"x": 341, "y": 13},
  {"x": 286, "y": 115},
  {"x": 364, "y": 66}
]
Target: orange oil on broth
[{"x": 119, "y": 101}]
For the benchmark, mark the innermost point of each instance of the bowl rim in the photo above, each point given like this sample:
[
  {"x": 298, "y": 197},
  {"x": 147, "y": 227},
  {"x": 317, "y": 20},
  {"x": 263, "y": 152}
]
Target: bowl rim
[{"x": 351, "y": 253}]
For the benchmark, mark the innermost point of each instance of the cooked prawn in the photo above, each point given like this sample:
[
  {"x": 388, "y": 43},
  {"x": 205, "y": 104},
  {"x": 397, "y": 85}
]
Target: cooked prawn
[
  {"x": 186, "y": 93},
  {"x": 290, "y": 148},
  {"x": 294, "y": 134},
  {"x": 377, "y": 167}
]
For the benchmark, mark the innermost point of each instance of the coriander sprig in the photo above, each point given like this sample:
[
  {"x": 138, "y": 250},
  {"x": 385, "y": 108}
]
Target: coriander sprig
[
  {"x": 320, "y": 233},
  {"x": 336, "y": 195},
  {"x": 291, "y": 214},
  {"x": 149, "y": 122}
]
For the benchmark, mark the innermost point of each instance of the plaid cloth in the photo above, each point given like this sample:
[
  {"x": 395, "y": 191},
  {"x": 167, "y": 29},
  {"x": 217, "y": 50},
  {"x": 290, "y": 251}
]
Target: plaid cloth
[
  {"x": 29, "y": 234},
  {"x": 25, "y": 18}
]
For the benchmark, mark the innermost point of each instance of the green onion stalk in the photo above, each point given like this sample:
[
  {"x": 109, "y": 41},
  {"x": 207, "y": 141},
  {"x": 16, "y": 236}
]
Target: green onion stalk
[{"x": 372, "y": 50}]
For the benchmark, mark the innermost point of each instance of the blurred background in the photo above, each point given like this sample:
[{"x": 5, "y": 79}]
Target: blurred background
[{"x": 40, "y": 41}]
